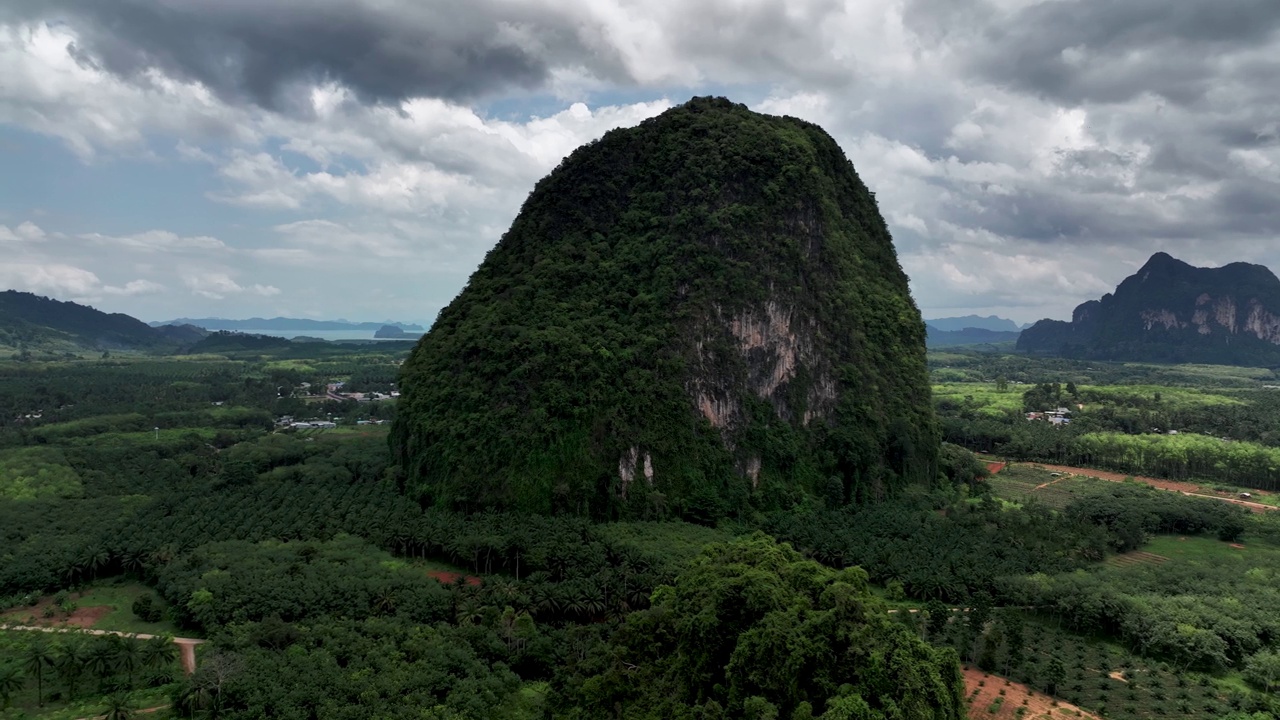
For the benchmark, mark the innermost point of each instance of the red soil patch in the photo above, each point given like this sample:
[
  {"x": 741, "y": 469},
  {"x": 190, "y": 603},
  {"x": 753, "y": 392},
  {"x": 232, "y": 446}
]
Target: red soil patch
[
  {"x": 995, "y": 467},
  {"x": 1237, "y": 546},
  {"x": 449, "y": 578},
  {"x": 1039, "y": 706},
  {"x": 85, "y": 617}
]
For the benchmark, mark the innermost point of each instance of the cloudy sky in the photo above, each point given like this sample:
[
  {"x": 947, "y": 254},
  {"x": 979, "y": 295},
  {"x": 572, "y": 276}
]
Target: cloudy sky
[{"x": 357, "y": 158}]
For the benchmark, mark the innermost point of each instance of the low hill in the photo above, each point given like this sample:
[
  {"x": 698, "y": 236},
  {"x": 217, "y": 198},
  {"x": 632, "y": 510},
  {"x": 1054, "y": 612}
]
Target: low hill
[
  {"x": 967, "y": 336},
  {"x": 1170, "y": 311},
  {"x": 284, "y": 323},
  {"x": 964, "y": 322},
  {"x": 224, "y": 341},
  {"x": 32, "y": 321}
]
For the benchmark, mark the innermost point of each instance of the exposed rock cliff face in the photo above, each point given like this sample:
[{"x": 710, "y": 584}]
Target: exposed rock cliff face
[
  {"x": 1172, "y": 312},
  {"x": 694, "y": 316}
]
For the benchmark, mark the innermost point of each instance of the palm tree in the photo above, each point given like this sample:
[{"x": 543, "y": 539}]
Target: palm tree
[
  {"x": 384, "y": 601},
  {"x": 133, "y": 562},
  {"x": 37, "y": 658},
  {"x": 158, "y": 652},
  {"x": 128, "y": 659},
  {"x": 11, "y": 681},
  {"x": 70, "y": 662},
  {"x": 74, "y": 571},
  {"x": 100, "y": 660},
  {"x": 119, "y": 707},
  {"x": 469, "y": 612}
]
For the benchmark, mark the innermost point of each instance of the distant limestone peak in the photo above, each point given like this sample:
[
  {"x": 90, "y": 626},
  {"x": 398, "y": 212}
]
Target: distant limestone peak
[
  {"x": 1171, "y": 311},
  {"x": 692, "y": 317}
]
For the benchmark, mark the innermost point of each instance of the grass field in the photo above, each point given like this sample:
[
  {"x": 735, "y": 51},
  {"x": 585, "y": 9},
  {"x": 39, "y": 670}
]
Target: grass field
[
  {"x": 984, "y": 397},
  {"x": 105, "y": 606},
  {"x": 299, "y": 365},
  {"x": 120, "y": 599},
  {"x": 1210, "y": 372},
  {"x": 1171, "y": 398},
  {"x": 1210, "y": 552}
]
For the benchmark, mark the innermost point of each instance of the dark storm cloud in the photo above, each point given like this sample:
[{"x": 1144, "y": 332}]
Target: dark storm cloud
[
  {"x": 1105, "y": 51},
  {"x": 1179, "y": 106},
  {"x": 381, "y": 50}
]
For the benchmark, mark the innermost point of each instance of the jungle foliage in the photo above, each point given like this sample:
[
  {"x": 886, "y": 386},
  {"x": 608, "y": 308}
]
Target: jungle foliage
[
  {"x": 325, "y": 591},
  {"x": 624, "y": 297},
  {"x": 753, "y": 630}
]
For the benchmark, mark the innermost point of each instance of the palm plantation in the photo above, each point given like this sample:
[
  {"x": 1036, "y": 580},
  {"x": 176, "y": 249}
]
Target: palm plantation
[
  {"x": 36, "y": 661},
  {"x": 11, "y": 681},
  {"x": 69, "y": 661}
]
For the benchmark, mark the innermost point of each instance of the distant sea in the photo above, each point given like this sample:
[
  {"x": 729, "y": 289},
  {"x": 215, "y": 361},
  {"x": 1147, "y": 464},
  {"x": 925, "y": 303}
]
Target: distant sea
[{"x": 322, "y": 334}]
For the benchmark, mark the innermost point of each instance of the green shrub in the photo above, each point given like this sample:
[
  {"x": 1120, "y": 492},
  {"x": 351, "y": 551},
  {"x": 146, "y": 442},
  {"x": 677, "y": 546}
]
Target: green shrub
[{"x": 147, "y": 608}]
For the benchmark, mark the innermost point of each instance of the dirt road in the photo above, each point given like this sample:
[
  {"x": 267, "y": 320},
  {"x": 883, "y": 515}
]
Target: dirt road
[
  {"x": 1185, "y": 488},
  {"x": 186, "y": 646}
]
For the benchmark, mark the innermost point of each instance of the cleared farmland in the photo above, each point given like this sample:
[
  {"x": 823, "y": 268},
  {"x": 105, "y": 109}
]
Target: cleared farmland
[{"x": 1024, "y": 483}]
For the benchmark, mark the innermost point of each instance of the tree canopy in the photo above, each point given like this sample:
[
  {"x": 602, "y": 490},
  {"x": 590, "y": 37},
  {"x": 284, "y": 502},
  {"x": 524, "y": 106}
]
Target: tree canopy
[{"x": 754, "y": 630}]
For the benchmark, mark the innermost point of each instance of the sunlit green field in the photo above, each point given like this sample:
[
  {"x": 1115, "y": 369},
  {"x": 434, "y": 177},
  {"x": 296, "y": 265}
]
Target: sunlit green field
[
  {"x": 983, "y": 396},
  {"x": 1168, "y": 397}
]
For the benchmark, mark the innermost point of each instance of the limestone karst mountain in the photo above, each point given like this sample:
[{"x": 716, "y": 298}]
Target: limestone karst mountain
[
  {"x": 1170, "y": 311},
  {"x": 694, "y": 316}
]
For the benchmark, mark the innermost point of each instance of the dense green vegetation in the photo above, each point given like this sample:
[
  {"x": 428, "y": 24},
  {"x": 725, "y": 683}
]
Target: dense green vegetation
[
  {"x": 43, "y": 326},
  {"x": 754, "y": 630},
  {"x": 659, "y": 336},
  {"x": 1121, "y": 416},
  {"x": 326, "y": 591},
  {"x": 81, "y": 670}
]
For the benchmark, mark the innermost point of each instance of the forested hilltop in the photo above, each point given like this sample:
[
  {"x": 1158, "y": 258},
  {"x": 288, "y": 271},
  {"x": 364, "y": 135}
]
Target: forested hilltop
[
  {"x": 703, "y": 314},
  {"x": 34, "y": 323},
  {"x": 1169, "y": 311}
]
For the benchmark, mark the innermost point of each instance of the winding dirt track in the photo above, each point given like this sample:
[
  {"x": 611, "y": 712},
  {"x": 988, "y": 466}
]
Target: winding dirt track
[{"x": 1185, "y": 488}]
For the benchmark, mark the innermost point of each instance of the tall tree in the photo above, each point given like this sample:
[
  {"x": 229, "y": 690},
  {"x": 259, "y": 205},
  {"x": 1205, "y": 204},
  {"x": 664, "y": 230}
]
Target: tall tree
[
  {"x": 128, "y": 659},
  {"x": 69, "y": 661},
  {"x": 36, "y": 659},
  {"x": 100, "y": 659}
]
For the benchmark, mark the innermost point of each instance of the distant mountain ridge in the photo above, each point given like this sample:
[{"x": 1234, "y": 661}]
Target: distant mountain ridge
[
  {"x": 283, "y": 323},
  {"x": 28, "y": 320},
  {"x": 990, "y": 322},
  {"x": 967, "y": 336},
  {"x": 1170, "y": 311}
]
